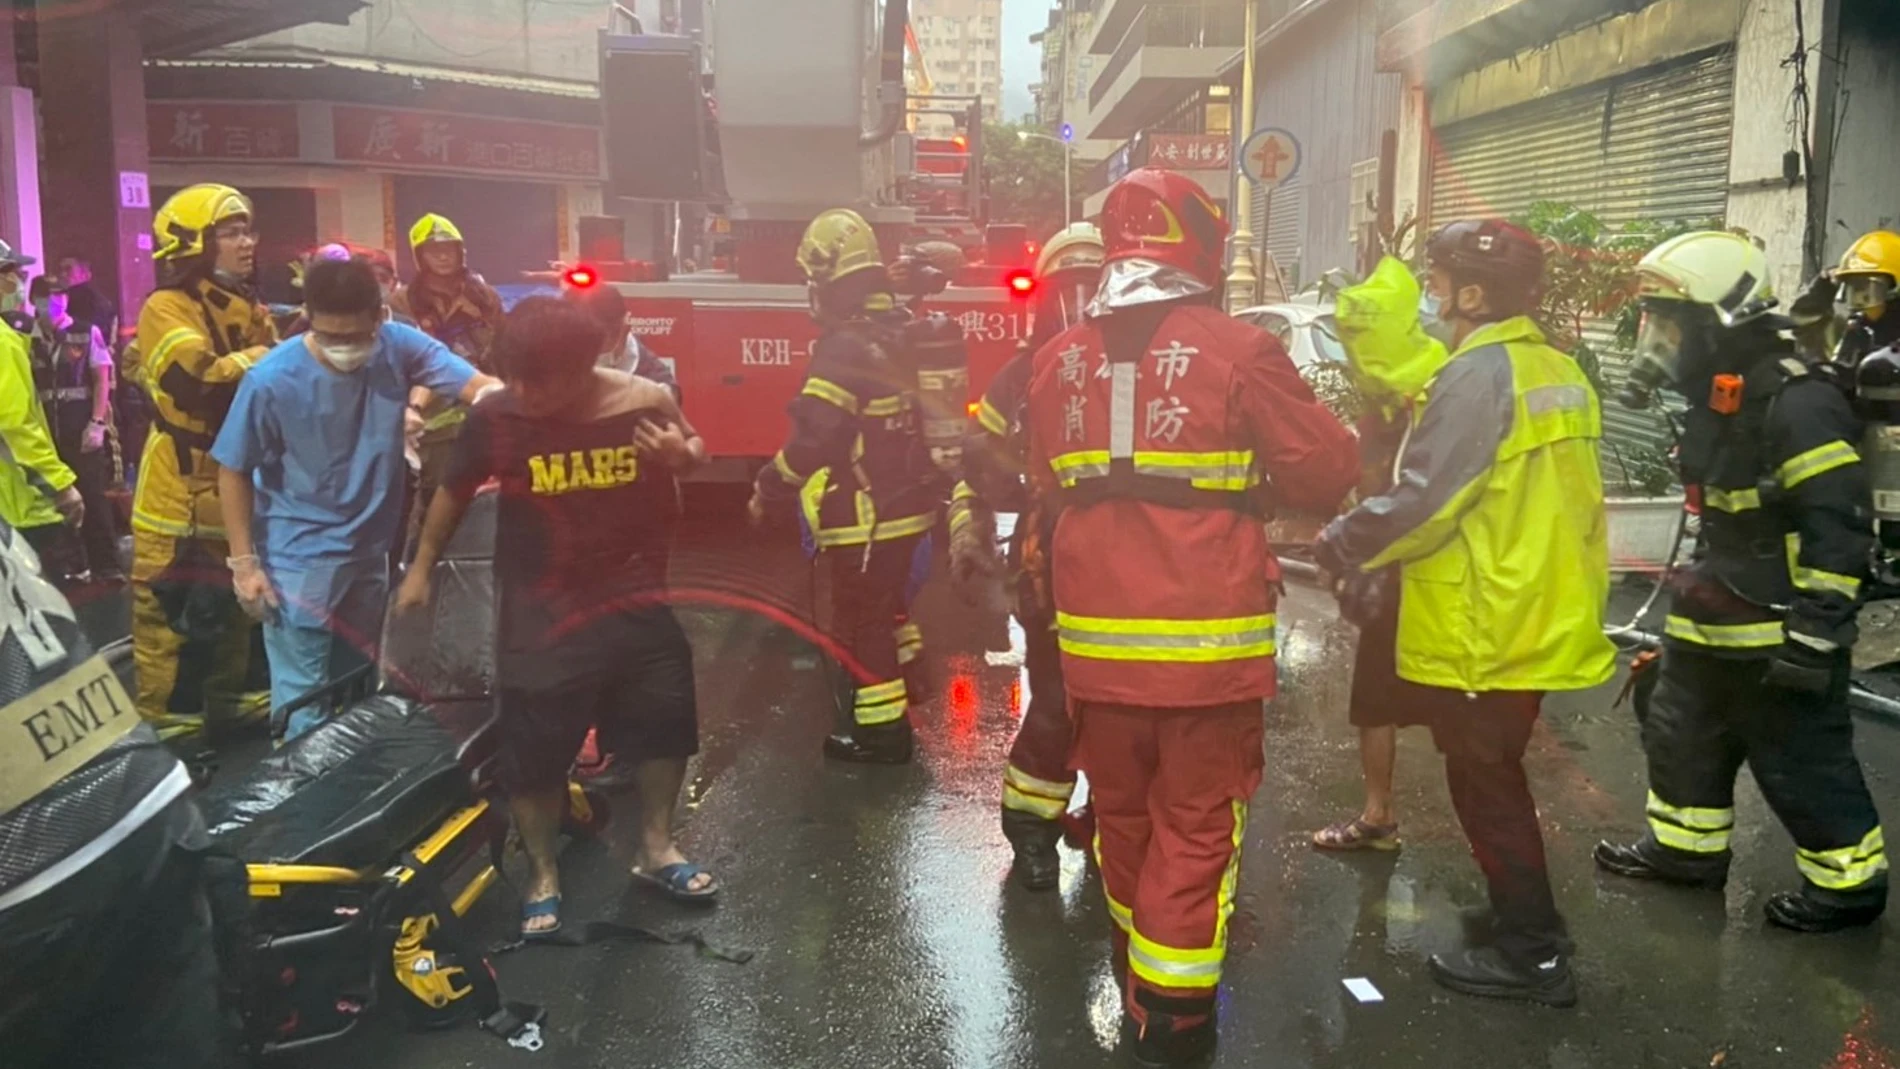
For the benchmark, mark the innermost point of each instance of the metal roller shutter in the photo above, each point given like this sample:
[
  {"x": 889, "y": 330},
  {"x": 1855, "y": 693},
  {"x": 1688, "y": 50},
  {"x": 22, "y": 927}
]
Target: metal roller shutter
[{"x": 1652, "y": 145}]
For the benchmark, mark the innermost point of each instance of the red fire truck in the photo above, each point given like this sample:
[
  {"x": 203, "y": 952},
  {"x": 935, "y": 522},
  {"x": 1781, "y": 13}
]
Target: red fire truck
[{"x": 740, "y": 352}]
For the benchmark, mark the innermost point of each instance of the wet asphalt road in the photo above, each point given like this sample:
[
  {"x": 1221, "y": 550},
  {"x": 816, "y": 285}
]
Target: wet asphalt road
[{"x": 886, "y": 933}]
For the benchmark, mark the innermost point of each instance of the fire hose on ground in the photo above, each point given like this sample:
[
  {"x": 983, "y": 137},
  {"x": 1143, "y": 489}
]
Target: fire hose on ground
[{"x": 1632, "y": 635}]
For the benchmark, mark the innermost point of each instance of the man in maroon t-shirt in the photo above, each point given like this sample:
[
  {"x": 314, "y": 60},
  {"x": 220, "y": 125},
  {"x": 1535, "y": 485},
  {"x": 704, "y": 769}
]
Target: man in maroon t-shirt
[{"x": 586, "y": 460}]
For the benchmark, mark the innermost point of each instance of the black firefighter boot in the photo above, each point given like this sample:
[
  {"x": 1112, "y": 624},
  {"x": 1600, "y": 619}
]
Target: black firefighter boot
[
  {"x": 883, "y": 744},
  {"x": 1488, "y": 973},
  {"x": 1813, "y": 911},
  {"x": 1178, "y": 1031},
  {"x": 1645, "y": 860},
  {"x": 1038, "y": 867}
]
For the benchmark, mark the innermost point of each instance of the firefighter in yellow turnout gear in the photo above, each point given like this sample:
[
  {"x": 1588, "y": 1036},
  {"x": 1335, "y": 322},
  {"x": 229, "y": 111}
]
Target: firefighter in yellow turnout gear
[
  {"x": 198, "y": 333},
  {"x": 857, "y": 466},
  {"x": 452, "y": 304}
]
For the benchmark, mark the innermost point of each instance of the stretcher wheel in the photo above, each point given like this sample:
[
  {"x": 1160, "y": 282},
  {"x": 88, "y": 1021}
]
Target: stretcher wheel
[{"x": 587, "y": 812}]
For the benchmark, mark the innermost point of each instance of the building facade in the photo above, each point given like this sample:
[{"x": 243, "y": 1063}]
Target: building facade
[
  {"x": 1671, "y": 112},
  {"x": 351, "y": 132},
  {"x": 962, "y": 46},
  {"x": 73, "y": 121},
  {"x": 1153, "y": 91},
  {"x": 1317, "y": 77},
  {"x": 1068, "y": 72}
]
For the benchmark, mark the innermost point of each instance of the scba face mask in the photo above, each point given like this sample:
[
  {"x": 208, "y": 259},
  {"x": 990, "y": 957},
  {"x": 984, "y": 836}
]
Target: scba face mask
[
  {"x": 1864, "y": 292},
  {"x": 1661, "y": 342}
]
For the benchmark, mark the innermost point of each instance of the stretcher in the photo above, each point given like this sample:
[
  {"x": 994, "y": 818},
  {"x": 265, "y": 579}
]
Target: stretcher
[{"x": 366, "y": 841}]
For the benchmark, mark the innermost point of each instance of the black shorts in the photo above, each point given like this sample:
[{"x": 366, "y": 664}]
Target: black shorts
[
  {"x": 1379, "y": 697},
  {"x": 640, "y": 695}
]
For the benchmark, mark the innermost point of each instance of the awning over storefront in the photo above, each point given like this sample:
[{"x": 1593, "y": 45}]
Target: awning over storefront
[
  {"x": 184, "y": 27},
  {"x": 364, "y": 65}
]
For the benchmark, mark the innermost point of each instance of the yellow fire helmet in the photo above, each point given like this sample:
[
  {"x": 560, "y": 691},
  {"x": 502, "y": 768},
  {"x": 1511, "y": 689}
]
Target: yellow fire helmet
[
  {"x": 837, "y": 244},
  {"x": 1877, "y": 253},
  {"x": 182, "y": 222},
  {"x": 1077, "y": 245},
  {"x": 1724, "y": 271},
  {"x": 432, "y": 228}
]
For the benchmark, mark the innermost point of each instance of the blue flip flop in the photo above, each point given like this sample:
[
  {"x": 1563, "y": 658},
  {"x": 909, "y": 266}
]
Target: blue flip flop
[
  {"x": 675, "y": 881},
  {"x": 540, "y": 907}
]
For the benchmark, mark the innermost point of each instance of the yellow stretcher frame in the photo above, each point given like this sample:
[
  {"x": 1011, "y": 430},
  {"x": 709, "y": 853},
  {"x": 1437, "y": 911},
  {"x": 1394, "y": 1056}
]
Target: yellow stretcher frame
[{"x": 268, "y": 880}]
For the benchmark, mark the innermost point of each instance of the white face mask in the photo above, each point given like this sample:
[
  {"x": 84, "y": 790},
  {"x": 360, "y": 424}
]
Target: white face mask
[{"x": 349, "y": 357}]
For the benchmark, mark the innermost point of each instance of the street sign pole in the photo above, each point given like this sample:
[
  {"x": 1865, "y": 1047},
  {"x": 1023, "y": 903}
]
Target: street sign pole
[
  {"x": 1269, "y": 159},
  {"x": 1241, "y": 279}
]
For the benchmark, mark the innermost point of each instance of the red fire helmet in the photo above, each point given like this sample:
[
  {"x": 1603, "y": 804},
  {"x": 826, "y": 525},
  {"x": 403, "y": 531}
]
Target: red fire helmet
[{"x": 1164, "y": 216}]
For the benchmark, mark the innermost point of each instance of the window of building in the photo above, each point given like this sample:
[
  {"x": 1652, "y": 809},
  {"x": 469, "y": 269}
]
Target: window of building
[{"x": 1365, "y": 187}]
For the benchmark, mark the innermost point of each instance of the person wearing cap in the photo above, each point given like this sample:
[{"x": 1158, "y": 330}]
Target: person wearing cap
[
  {"x": 1482, "y": 574},
  {"x": 449, "y": 302},
  {"x": 199, "y": 333},
  {"x": 39, "y": 495}
]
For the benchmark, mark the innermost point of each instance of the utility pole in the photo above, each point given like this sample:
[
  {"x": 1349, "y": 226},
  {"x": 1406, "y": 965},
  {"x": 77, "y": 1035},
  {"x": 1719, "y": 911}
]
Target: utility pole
[{"x": 1242, "y": 281}]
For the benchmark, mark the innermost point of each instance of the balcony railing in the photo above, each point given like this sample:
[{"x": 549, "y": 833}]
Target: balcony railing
[{"x": 1212, "y": 25}]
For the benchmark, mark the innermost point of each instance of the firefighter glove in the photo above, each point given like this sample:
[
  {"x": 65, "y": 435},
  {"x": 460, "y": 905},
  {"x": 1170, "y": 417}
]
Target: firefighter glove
[
  {"x": 1364, "y": 596},
  {"x": 1817, "y": 302},
  {"x": 1326, "y": 551}
]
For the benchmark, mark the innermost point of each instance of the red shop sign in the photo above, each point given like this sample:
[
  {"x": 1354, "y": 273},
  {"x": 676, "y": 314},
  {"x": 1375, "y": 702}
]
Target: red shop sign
[
  {"x": 200, "y": 130},
  {"x": 440, "y": 141},
  {"x": 1188, "y": 152}
]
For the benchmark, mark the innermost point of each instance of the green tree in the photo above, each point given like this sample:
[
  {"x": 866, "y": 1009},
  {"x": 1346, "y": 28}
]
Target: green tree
[{"x": 1023, "y": 178}]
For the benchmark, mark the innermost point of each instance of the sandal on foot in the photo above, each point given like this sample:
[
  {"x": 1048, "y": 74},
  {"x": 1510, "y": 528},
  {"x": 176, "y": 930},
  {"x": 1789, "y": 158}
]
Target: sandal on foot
[
  {"x": 540, "y": 907},
  {"x": 1357, "y": 834},
  {"x": 675, "y": 881}
]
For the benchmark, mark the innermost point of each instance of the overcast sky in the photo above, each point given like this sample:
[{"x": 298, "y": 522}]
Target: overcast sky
[{"x": 1022, "y": 61}]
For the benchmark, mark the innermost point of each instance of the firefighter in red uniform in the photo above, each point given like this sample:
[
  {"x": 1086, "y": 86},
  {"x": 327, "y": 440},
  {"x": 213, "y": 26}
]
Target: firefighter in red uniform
[
  {"x": 1038, "y": 782},
  {"x": 1155, "y": 423}
]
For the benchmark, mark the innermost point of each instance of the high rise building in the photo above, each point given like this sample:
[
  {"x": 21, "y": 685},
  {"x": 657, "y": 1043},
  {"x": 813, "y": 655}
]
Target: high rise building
[{"x": 962, "y": 43}]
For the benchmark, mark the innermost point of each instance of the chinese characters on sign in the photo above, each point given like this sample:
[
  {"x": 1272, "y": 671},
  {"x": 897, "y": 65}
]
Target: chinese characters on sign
[
  {"x": 205, "y": 130},
  {"x": 465, "y": 143},
  {"x": 1189, "y": 152},
  {"x": 213, "y": 130}
]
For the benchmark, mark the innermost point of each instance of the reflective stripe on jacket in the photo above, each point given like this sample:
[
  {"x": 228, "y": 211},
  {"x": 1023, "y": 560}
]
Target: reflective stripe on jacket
[
  {"x": 1154, "y": 426},
  {"x": 1496, "y": 521},
  {"x": 1786, "y": 536},
  {"x": 31, "y": 472},
  {"x": 196, "y": 343},
  {"x": 855, "y": 461}
]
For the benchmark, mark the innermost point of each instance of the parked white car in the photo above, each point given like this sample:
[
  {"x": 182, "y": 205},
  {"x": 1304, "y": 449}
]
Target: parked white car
[{"x": 1308, "y": 330}]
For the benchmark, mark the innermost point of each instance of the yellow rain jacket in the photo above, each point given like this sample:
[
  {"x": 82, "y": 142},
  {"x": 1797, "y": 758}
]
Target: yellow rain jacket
[
  {"x": 1496, "y": 519},
  {"x": 32, "y": 472},
  {"x": 196, "y": 344}
]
